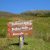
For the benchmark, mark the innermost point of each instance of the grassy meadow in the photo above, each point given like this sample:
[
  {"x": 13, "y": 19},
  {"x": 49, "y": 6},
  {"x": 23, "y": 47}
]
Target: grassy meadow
[{"x": 40, "y": 39}]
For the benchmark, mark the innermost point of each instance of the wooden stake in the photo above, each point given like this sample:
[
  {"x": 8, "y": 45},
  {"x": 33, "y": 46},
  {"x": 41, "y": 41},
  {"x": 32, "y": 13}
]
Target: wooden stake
[{"x": 21, "y": 41}]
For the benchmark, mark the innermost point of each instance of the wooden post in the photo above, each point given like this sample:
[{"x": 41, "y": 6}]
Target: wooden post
[{"x": 21, "y": 41}]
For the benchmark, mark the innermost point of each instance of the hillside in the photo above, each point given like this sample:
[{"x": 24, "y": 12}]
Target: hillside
[
  {"x": 40, "y": 39},
  {"x": 36, "y": 13},
  {"x": 7, "y": 14}
]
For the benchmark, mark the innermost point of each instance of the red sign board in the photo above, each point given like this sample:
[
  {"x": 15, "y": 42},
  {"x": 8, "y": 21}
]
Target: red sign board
[{"x": 16, "y": 27}]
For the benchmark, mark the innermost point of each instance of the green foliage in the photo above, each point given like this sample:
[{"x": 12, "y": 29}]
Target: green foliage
[
  {"x": 42, "y": 27},
  {"x": 3, "y": 27},
  {"x": 33, "y": 44},
  {"x": 40, "y": 39}
]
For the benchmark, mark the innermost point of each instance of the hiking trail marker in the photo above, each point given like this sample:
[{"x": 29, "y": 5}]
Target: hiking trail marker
[{"x": 20, "y": 28}]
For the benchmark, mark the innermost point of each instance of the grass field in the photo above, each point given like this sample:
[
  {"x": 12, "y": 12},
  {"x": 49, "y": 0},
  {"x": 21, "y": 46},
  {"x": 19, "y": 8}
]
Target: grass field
[
  {"x": 33, "y": 44},
  {"x": 40, "y": 39}
]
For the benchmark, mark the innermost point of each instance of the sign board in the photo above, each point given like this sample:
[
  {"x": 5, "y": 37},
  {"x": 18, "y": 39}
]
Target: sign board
[{"x": 16, "y": 27}]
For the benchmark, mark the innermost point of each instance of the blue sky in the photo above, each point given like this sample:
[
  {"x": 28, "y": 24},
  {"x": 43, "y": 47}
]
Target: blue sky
[{"x": 18, "y": 6}]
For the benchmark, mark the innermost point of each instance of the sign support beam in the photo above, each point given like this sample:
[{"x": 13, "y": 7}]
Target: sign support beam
[{"x": 21, "y": 40}]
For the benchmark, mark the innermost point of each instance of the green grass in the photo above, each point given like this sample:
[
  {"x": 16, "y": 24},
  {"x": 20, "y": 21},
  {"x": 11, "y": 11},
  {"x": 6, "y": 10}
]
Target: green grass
[
  {"x": 38, "y": 41},
  {"x": 3, "y": 27},
  {"x": 33, "y": 44},
  {"x": 42, "y": 27}
]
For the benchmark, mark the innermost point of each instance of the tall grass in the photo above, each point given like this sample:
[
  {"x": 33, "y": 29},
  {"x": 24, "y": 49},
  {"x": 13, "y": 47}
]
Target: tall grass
[{"x": 40, "y": 39}]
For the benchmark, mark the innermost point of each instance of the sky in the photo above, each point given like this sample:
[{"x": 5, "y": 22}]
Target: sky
[{"x": 18, "y": 6}]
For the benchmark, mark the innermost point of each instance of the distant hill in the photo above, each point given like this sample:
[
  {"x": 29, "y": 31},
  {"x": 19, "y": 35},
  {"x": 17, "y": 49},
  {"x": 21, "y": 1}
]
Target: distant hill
[
  {"x": 6, "y": 14},
  {"x": 37, "y": 13}
]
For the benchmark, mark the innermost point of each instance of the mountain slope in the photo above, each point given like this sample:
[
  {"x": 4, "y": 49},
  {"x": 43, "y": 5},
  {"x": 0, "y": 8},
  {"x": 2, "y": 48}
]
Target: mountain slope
[
  {"x": 41, "y": 13},
  {"x": 37, "y": 13}
]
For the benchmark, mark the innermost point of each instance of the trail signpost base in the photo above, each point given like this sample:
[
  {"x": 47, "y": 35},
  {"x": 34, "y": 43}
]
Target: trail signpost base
[{"x": 21, "y": 41}]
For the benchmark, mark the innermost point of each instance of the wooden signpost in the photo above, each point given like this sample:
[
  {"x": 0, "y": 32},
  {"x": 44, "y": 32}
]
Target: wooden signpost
[{"x": 20, "y": 28}]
